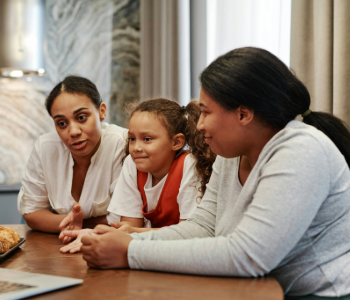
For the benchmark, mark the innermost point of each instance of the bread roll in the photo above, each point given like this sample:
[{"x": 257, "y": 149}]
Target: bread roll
[{"x": 8, "y": 239}]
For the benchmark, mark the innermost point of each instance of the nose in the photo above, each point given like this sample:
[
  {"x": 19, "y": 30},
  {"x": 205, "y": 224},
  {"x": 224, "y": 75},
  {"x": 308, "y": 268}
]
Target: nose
[
  {"x": 137, "y": 146},
  {"x": 74, "y": 130},
  {"x": 200, "y": 124}
]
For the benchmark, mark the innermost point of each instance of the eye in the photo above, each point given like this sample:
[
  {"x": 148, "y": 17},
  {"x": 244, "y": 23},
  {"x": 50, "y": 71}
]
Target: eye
[
  {"x": 82, "y": 117},
  {"x": 61, "y": 124},
  {"x": 131, "y": 139},
  {"x": 147, "y": 139}
]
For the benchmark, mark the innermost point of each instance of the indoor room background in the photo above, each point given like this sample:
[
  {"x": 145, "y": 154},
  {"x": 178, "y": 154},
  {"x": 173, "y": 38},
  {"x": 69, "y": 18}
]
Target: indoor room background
[{"x": 138, "y": 49}]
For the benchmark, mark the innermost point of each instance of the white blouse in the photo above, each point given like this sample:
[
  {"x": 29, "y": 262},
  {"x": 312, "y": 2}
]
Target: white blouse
[
  {"x": 127, "y": 200},
  {"x": 48, "y": 175}
]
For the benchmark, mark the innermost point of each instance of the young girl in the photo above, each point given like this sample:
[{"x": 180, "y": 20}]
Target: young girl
[
  {"x": 76, "y": 166},
  {"x": 159, "y": 181},
  {"x": 278, "y": 199}
]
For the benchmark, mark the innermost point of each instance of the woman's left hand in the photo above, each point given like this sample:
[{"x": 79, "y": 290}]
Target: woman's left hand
[
  {"x": 74, "y": 246},
  {"x": 108, "y": 249},
  {"x": 73, "y": 221}
]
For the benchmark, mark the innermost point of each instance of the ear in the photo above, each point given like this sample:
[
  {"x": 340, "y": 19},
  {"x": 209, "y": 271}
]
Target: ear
[
  {"x": 103, "y": 111},
  {"x": 178, "y": 141},
  {"x": 245, "y": 115}
]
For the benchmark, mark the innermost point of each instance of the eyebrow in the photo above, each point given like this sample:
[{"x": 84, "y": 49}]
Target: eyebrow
[
  {"x": 74, "y": 112},
  {"x": 143, "y": 132},
  {"x": 202, "y": 105}
]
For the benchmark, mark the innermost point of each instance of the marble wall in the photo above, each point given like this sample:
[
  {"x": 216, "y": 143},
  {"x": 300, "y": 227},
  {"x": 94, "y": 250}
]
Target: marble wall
[{"x": 97, "y": 39}]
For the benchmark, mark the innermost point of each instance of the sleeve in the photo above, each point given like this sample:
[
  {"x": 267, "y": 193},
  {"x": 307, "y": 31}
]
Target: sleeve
[
  {"x": 126, "y": 200},
  {"x": 33, "y": 195},
  {"x": 111, "y": 217},
  {"x": 188, "y": 193},
  {"x": 117, "y": 163},
  {"x": 291, "y": 188},
  {"x": 200, "y": 224}
]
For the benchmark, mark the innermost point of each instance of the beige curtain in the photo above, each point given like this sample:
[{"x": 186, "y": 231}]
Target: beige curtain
[
  {"x": 159, "y": 49},
  {"x": 320, "y": 53}
]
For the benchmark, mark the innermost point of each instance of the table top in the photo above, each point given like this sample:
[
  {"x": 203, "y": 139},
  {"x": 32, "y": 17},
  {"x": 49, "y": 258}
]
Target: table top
[{"x": 40, "y": 254}]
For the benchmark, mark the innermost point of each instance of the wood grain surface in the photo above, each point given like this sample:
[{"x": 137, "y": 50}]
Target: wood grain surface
[{"x": 40, "y": 254}]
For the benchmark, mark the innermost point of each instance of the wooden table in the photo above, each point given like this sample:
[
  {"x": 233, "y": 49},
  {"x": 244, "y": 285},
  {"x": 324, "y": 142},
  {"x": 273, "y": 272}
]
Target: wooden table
[{"x": 40, "y": 254}]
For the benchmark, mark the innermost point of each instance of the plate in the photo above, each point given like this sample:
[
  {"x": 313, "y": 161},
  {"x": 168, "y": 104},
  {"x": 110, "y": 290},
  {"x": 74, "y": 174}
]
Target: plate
[{"x": 3, "y": 255}]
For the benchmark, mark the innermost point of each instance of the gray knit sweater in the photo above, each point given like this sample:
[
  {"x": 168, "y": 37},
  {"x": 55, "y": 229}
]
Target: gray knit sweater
[{"x": 291, "y": 220}]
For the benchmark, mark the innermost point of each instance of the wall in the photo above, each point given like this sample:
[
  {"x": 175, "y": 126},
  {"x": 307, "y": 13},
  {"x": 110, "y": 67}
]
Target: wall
[{"x": 95, "y": 39}]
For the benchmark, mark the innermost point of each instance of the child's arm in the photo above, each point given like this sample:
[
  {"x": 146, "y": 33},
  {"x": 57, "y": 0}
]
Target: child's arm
[{"x": 128, "y": 228}]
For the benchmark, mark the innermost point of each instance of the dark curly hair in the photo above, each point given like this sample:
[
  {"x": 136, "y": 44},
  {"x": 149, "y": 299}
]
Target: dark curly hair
[{"x": 177, "y": 119}]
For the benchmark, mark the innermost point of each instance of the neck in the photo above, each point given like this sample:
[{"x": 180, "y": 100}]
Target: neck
[
  {"x": 259, "y": 142},
  {"x": 158, "y": 175}
]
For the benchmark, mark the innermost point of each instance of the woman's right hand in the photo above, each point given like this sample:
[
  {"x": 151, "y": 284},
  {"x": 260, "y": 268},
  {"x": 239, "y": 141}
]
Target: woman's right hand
[{"x": 73, "y": 221}]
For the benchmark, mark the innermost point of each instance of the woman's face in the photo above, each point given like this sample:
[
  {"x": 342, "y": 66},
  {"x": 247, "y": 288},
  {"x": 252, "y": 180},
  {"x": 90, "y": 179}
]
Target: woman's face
[
  {"x": 78, "y": 123},
  {"x": 222, "y": 129}
]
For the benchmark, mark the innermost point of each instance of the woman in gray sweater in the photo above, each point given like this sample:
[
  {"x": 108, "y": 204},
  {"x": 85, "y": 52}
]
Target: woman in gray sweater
[{"x": 278, "y": 201}]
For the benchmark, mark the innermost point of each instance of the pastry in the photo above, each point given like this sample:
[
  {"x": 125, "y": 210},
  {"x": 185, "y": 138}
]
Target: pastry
[{"x": 8, "y": 239}]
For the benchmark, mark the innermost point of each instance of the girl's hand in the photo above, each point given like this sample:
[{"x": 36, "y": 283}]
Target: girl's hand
[
  {"x": 107, "y": 249},
  {"x": 73, "y": 221},
  {"x": 123, "y": 227},
  {"x": 74, "y": 246}
]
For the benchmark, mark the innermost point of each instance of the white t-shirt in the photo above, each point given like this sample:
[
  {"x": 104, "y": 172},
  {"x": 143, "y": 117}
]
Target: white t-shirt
[
  {"x": 47, "y": 180},
  {"x": 127, "y": 199}
]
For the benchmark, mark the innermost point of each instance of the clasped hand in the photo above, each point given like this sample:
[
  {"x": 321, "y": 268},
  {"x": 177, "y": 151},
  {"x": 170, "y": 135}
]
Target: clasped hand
[{"x": 104, "y": 247}]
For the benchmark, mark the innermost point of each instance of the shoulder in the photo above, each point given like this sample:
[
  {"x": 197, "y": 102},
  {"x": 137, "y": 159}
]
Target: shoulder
[
  {"x": 301, "y": 137},
  {"x": 49, "y": 143},
  {"x": 303, "y": 144},
  {"x": 112, "y": 131},
  {"x": 129, "y": 166}
]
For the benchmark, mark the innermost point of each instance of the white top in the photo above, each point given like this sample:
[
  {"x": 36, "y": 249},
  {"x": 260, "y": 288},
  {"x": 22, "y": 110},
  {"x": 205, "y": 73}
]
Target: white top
[
  {"x": 47, "y": 180},
  {"x": 127, "y": 199},
  {"x": 291, "y": 220}
]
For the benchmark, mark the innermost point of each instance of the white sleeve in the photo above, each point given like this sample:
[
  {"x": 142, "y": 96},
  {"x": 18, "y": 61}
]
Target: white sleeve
[
  {"x": 188, "y": 193},
  {"x": 33, "y": 195},
  {"x": 117, "y": 163},
  {"x": 111, "y": 217},
  {"x": 126, "y": 200}
]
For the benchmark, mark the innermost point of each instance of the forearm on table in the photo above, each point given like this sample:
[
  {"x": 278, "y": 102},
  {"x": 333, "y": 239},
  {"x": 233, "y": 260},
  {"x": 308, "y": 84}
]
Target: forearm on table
[
  {"x": 44, "y": 220},
  {"x": 209, "y": 256},
  {"x": 93, "y": 222},
  {"x": 140, "y": 230},
  {"x": 183, "y": 230},
  {"x": 134, "y": 222}
]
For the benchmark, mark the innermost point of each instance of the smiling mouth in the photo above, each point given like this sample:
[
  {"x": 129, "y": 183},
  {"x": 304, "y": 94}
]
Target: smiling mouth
[{"x": 78, "y": 145}]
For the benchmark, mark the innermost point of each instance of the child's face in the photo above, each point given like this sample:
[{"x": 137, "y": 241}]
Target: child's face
[{"x": 149, "y": 144}]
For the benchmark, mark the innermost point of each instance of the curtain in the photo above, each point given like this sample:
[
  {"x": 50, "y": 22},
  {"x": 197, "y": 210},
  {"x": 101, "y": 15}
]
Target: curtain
[
  {"x": 165, "y": 70},
  {"x": 218, "y": 26},
  {"x": 320, "y": 48}
]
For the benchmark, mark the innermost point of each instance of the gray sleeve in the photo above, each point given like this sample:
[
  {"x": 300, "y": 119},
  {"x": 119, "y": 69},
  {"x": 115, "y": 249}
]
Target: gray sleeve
[
  {"x": 200, "y": 224},
  {"x": 292, "y": 186}
]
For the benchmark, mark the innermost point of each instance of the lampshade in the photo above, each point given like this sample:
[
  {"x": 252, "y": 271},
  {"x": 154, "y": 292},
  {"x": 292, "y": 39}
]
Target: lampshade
[{"x": 21, "y": 37}]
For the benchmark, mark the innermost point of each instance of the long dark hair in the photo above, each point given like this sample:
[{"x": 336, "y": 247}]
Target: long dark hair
[
  {"x": 177, "y": 119},
  {"x": 257, "y": 79},
  {"x": 74, "y": 85}
]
